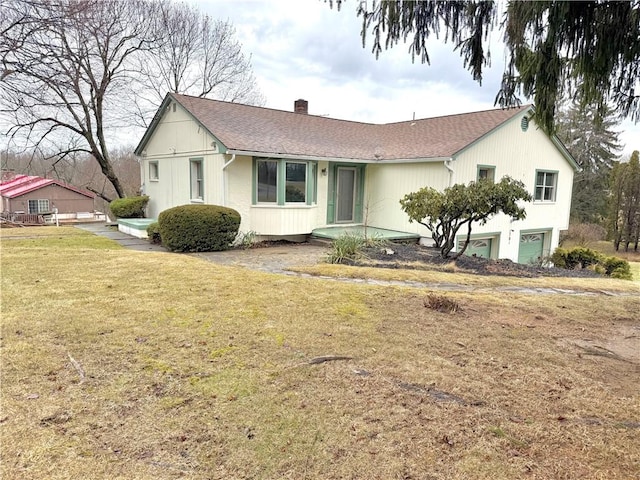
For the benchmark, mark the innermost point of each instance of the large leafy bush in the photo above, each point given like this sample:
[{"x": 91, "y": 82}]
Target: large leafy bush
[
  {"x": 129, "y": 207},
  {"x": 198, "y": 228}
]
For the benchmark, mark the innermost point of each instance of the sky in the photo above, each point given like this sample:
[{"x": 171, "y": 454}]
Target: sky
[{"x": 305, "y": 49}]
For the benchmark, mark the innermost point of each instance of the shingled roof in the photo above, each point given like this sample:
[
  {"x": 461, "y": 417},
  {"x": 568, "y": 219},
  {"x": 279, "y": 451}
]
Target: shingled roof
[{"x": 265, "y": 131}]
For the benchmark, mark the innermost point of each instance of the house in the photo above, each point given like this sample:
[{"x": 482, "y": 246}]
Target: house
[
  {"x": 292, "y": 174},
  {"x": 30, "y": 195}
]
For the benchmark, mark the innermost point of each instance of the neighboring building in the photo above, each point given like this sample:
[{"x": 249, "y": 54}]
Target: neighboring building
[
  {"x": 290, "y": 173},
  {"x": 29, "y": 195}
]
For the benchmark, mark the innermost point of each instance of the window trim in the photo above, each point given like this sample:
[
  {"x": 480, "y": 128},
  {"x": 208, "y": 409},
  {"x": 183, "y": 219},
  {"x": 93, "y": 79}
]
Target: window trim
[
  {"x": 311, "y": 182},
  {"x": 194, "y": 182},
  {"x": 544, "y": 186},
  {"x": 491, "y": 168},
  {"x": 155, "y": 178}
]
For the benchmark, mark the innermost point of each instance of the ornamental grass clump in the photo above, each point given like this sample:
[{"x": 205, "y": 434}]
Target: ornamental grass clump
[{"x": 198, "y": 228}]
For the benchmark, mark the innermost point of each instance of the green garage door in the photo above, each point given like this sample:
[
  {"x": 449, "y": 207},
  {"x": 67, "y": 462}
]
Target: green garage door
[
  {"x": 480, "y": 248},
  {"x": 530, "y": 247}
]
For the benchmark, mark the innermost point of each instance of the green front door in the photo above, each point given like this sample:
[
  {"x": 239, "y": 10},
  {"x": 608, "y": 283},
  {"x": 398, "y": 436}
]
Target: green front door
[
  {"x": 531, "y": 245},
  {"x": 345, "y": 194}
]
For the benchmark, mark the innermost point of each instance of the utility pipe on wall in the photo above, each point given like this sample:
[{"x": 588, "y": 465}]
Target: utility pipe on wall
[
  {"x": 447, "y": 165},
  {"x": 224, "y": 168}
]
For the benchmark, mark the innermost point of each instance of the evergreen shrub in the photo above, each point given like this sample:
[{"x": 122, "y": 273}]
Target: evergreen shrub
[
  {"x": 153, "y": 232},
  {"x": 198, "y": 228},
  {"x": 129, "y": 207},
  {"x": 581, "y": 257}
]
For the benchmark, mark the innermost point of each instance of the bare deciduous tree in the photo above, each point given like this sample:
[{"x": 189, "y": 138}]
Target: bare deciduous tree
[
  {"x": 198, "y": 56},
  {"x": 71, "y": 70}
]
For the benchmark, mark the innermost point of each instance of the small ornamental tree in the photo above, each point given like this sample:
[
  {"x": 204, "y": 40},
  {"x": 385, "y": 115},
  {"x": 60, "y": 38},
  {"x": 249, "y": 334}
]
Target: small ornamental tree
[{"x": 445, "y": 213}]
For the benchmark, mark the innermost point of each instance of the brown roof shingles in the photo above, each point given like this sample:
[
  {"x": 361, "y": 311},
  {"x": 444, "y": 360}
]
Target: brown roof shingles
[{"x": 257, "y": 129}]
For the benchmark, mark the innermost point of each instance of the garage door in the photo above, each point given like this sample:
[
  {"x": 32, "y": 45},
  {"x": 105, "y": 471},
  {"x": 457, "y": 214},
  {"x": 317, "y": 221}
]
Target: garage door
[
  {"x": 480, "y": 248},
  {"x": 530, "y": 247}
]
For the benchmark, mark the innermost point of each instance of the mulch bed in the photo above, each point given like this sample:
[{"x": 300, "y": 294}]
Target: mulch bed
[{"x": 411, "y": 256}]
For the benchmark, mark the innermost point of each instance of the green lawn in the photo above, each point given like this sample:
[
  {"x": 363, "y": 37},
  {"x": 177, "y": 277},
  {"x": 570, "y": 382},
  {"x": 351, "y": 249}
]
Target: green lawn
[{"x": 141, "y": 365}]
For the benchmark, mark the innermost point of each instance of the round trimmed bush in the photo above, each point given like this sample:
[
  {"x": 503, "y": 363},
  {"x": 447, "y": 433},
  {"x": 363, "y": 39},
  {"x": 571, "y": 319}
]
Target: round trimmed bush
[
  {"x": 129, "y": 207},
  {"x": 153, "y": 233},
  {"x": 198, "y": 228}
]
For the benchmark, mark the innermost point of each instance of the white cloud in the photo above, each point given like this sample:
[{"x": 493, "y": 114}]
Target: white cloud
[{"x": 305, "y": 49}]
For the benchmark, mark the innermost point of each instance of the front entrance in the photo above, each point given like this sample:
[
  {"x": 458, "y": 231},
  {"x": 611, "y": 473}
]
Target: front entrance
[
  {"x": 345, "y": 194},
  {"x": 346, "y": 188}
]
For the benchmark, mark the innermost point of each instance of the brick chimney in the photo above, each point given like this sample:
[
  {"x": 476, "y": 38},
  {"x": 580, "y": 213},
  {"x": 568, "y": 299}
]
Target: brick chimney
[{"x": 301, "y": 106}]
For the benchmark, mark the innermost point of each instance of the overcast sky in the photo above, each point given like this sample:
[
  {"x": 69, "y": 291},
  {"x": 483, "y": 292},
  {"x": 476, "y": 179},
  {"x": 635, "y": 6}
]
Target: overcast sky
[{"x": 304, "y": 49}]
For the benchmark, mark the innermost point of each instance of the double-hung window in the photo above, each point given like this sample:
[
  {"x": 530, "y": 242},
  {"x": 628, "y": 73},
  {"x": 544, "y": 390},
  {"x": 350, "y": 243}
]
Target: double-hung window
[
  {"x": 546, "y": 186},
  {"x": 284, "y": 182},
  {"x": 197, "y": 179}
]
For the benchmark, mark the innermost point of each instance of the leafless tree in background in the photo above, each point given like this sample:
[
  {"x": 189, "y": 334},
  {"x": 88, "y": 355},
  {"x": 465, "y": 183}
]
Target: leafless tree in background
[
  {"x": 198, "y": 56},
  {"x": 77, "y": 75}
]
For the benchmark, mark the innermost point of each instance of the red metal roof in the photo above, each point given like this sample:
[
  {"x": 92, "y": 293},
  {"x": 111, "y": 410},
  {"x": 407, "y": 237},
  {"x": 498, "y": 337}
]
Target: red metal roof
[{"x": 21, "y": 184}]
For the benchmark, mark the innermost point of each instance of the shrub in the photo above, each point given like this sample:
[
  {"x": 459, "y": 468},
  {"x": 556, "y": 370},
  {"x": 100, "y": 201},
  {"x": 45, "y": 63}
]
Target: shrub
[
  {"x": 153, "y": 232},
  {"x": 583, "y": 257},
  {"x": 580, "y": 257},
  {"x": 198, "y": 228},
  {"x": 129, "y": 207},
  {"x": 617, "y": 268},
  {"x": 348, "y": 247},
  {"x": 559, "y": 258}
]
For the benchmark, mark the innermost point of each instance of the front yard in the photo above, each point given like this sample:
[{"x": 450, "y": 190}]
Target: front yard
[{"x": 130, "y": 365}]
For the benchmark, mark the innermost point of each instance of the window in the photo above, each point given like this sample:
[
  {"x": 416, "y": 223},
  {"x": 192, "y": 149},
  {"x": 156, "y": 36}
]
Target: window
[
  {"x": 197, "y": 182},
  {"x": 285, "y": 182},
  {"x": 296, "y": 182},
  {"x": 38, "y": 206},
  {"x": 153, "y": 171},
  {"x": 267, "y": 181},
  {"x": 486, "y": 172},
  {"x": 546, "y": 186}
]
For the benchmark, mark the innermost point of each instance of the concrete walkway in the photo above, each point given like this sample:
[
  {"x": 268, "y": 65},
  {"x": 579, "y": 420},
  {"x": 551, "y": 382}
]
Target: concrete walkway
[{"x": 127, "y": 241}]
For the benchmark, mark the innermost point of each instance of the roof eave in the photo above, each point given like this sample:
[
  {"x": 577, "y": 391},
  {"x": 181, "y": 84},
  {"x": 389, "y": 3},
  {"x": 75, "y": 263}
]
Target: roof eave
[
  {"x": 318, "y": 158},
  {"x": 565, "y": 153},
  {"x": 153, "y": 125}
]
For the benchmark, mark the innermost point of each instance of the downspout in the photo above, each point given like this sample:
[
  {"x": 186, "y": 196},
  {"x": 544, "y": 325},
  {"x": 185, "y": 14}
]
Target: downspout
[
  {"x": 224, "y": 191},
  {"x": 447, "y": 165}
]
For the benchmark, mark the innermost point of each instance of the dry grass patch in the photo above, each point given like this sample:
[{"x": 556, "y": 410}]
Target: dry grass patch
[
  {"x": 186, "y": 369},
  {"x": 442, "y": 276}
]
